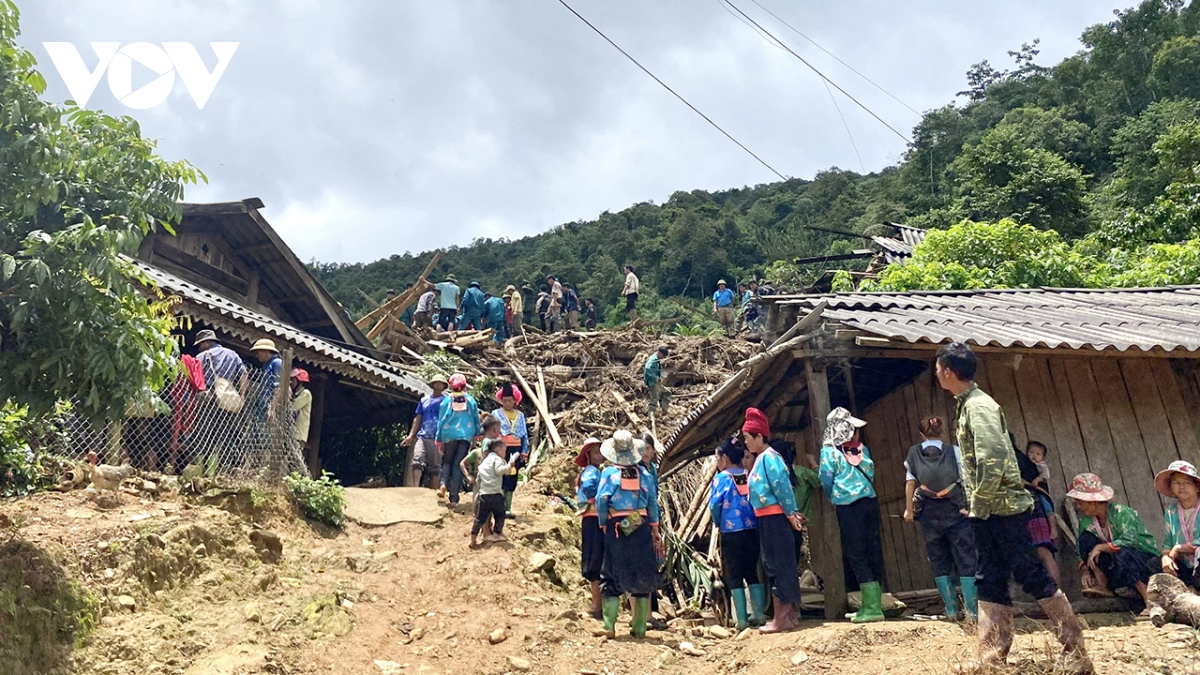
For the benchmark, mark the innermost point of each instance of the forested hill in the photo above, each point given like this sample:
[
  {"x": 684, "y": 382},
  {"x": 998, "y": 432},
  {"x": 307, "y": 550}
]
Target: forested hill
[{"x": 1087, "y": 148}]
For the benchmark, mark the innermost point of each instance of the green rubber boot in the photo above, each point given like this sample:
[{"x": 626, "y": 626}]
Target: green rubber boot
[
  {"x": 970, "y": 598},
  {"x": 641, "y": 614},
  {"x": 610, "y": 607},
  {"x": 872, "y": 603},
  {"x": 508, "y": 512},
  {"x": 739, "y": 608},
  {"x": 945, "y": 586},
  {"x": 758, "y": 604}
]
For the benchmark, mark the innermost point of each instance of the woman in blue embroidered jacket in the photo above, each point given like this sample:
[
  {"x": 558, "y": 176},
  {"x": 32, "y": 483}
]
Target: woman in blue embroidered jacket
[
  {"x": 627, "y": 511},
  {"x": 516, "y": 436},
  {"x": 1181, "y": 482},
  {"x": 586, "y": 486},
  {"x": 846, "y": 474},
  {"x": 729, "y": 504},
  {"x": 458, "y": 426},
  {"x": 776, "y": 516}
]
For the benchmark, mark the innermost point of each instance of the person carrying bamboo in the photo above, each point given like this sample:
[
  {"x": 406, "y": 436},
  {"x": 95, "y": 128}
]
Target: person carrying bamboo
[
  {"x": 729, "y": 504},
  {"x": 627, "y": 511},
  {"x": 776, "y": 518}
]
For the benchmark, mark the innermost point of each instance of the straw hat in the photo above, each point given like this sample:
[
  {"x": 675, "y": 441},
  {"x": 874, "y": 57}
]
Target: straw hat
[
  {"x": 1162, "y": 480},
  {"x": 582, "y": 458},
  {"x": 623, "y": 449},
  {"x": 264, "y": 345},
  {"x": 438, "y": 377},
  {"x": 1087, "y": 487},
  {"x": 510, "y": 289}
]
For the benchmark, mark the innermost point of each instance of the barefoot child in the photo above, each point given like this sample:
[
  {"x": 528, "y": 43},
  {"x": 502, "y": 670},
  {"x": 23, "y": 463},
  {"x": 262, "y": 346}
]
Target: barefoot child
[
  {"x": 470, "y": 465},
  {"x": 492, "y": 469},
  {"x": 593, "y": 537}
]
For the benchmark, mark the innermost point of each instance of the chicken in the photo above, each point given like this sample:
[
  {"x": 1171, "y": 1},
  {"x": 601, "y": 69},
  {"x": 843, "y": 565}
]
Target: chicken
[{"x": 106, "y": 477}]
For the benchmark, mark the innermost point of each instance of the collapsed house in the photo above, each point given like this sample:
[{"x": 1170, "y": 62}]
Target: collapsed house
[
  {"x": 234, "y": 275},
  {"x": 1107, "y": 379}
]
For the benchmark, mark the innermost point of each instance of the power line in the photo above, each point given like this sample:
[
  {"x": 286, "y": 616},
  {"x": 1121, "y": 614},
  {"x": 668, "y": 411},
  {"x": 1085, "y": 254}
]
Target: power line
[
  {"x": 835, "y": 85},
  {"x": 835, "y": 57},
  {"x": 838, "y": 108},
  {"x": 676, "y": 94}
]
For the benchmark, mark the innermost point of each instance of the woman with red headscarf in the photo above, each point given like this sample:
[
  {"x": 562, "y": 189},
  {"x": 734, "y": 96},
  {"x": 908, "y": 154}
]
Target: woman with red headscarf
[
  {"x": 586, "y": 486},
  {"x": 516, "y": 437},
  {"x": 777, "y": 518}
]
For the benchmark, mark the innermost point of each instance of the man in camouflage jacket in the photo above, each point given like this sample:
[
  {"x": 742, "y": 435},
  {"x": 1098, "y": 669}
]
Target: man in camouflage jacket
[{"x": 999, "y": 508}]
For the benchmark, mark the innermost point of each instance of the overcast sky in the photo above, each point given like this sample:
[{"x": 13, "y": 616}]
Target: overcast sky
[{"x": 373, "y": 127}]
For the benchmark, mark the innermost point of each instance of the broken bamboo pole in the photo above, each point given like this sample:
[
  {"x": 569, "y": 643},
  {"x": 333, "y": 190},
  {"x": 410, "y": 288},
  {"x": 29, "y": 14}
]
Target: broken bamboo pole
[
  {"x": 539, "y": 404},
  {"x": 698, "y": 500},
  {"x": 395, "y": 304}
]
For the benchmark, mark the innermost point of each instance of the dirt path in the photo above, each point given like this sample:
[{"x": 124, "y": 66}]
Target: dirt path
[{"x": 416, "y": 596}]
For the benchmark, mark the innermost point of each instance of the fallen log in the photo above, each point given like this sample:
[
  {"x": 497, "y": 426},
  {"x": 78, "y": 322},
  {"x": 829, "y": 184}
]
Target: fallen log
[
  {"x": 540, "y": 405},
  {"x": 633, "y": 417},
  {"x": 1171, "y": 601},
  {"x": 397, "y": 306}
]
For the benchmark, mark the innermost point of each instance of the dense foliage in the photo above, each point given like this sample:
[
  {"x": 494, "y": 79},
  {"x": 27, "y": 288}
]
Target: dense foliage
[
  {"x": 1096, "y": 154},
  {"x": 79, "y": 189},
  {"x": 31, "y": 448},
  {"x": 322, "y": 499}
]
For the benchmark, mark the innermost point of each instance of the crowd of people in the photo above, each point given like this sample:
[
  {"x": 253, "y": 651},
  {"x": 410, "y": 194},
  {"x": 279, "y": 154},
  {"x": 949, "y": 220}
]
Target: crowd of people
[{"x": 445, "y": 306}]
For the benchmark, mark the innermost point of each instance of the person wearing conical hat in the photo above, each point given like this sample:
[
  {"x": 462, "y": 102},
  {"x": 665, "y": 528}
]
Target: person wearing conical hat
[
  {"x": 627, "y": 512},
  {"x": 270, "y": 368},
  {"x": 776, "y": 519},
  {"x": 1181, "y": 482},
  {"x": 1116, "y": 550},
  {"x": 586, "y": 486}
]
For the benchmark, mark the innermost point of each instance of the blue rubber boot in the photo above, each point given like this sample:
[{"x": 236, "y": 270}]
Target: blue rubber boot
[
  {"x": 758, "y": 604},
  {"x": 739, "y": 608},
  {"x": 970, "y": 597},
  {"x": 945, "y": 586}
]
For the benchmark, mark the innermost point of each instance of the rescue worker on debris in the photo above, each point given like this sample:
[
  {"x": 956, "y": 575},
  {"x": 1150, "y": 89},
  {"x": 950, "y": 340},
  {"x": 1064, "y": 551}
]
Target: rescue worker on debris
[
  {"x": 627, "y": 511},
  {"x": 729, "y": 504}
]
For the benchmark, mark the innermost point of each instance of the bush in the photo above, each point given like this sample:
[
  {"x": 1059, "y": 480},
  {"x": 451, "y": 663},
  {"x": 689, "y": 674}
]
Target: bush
[
  {"x": 26, "y": 444},
  {"x": 322, "y": 500}
]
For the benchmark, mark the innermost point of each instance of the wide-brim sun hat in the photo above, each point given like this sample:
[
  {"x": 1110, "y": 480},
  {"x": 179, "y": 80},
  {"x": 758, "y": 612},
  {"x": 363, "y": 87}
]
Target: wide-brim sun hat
[
  {"x": 510, "y": 289},
  {"x": 1087, "y": 487},
  {"x": 451, "y": 278},
  {"x": 623, "y": 449},
  {"x": 1162, "y": 480},
  {"x": 582, "y": 458},
  {"x": 722, "y": 283},
  {"x": 300, "y": 374},
  {"x": 205, "y": 336},
  {"x": 264, "y": 345}
]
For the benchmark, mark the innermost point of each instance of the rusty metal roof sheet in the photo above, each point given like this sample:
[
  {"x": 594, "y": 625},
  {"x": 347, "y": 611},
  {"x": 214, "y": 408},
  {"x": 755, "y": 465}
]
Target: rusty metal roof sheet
[
  {"x": 1143, "y": 319},
  {"x": 235, "y": 318}
]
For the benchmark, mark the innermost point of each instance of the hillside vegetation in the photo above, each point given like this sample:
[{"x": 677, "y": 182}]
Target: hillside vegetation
[{"x": 1097, "y": 155}]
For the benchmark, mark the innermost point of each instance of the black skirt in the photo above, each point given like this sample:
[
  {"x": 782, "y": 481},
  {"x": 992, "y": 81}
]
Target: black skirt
[
  {"x": 739, "y": 558},
  {"x": 777, "y": 544},
  {"x": 593, "y": 548},
  {"x": 630, "y": 565}
]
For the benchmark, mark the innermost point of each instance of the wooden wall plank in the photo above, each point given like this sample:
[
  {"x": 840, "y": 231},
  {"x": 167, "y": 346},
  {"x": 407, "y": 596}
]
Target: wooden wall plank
[
  {"x": 887, "y": 466},
  {"x": 1004, "y": 390},
  {"x": 1036, "y": 407},
  {"x": 1089, "y": 410},
  {"x": 1151, "y": 415},
  {"x": 1064, "y": 418},
  {"x": 1181, "y": 399},
  {"x": 1136, "y": 474}
]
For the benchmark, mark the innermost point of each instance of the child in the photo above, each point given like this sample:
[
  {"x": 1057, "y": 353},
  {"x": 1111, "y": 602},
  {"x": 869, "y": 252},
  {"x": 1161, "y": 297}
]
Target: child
[
  {"x": 1036, "y": 452},
  {"x": 1181, "y": 481},
  {"x": 492, "y": 469},
  {"x": 729, "y": 504},
  {"x": 470, "y": 463},
  {"x": 1116, "y": 550},
  {"x": 593, "y": 538}
]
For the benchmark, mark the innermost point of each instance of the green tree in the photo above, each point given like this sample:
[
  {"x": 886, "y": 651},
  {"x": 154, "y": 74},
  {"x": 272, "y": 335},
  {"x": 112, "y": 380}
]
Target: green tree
[{"x": 80, "y": 189}]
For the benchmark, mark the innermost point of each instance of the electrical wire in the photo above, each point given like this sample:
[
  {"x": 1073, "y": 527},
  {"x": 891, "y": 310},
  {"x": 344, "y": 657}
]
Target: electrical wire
[
  {"x": 673, "y": 92},
  {"x": 835, "y": 85},
  {"x": 838, "y": 108},
  {"x": 835, "y": 58}
]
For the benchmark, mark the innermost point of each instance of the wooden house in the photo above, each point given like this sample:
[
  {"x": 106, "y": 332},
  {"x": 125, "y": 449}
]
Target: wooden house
[
  {"x": 1107, "y": 379},
  {"x": 236, "y": 276}
]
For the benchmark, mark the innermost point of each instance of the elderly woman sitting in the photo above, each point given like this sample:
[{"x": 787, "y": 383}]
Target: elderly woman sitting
[
  {"x": 1181, "y": 482},
  {"x": 1116, "y": 550}
]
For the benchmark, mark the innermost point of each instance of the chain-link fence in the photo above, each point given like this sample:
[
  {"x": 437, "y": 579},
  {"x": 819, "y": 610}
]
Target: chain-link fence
[{"x": 183, "y": 427}]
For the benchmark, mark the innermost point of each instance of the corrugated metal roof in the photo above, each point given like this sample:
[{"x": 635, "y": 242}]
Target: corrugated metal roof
[
  {"x": 344, "y": 361},
  {"x": 901, "y": 248},
  {"x": 1123, "y": 319}
]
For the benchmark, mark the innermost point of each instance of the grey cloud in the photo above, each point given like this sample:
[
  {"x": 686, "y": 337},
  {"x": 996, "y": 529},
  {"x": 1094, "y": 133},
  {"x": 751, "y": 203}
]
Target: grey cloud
[{"x": 371, "y": 128}]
